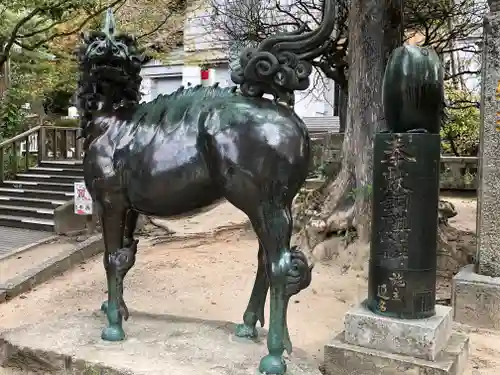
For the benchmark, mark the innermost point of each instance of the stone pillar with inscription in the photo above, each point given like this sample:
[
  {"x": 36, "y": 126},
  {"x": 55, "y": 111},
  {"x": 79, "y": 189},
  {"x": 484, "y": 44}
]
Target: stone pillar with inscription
[
  {"x": 399, "y": 328},
  {"x": 402, "y": 274},
  {"x": 476, "y": 288}
]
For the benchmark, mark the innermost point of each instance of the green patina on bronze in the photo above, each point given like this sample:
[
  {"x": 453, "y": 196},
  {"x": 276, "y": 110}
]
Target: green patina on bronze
[
  {"x": 184, "y": 151},
  {"x": 174, "y": 106},
  {"x": 413, "y": 91}
]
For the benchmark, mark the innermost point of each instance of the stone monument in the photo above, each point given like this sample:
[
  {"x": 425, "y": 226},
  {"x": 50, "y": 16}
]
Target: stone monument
[
  {"x": 399, "y": 327},
  {"x": 476, "y": 288}
]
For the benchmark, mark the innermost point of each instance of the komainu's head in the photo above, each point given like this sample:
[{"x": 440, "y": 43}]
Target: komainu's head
[{"x": 110, "y": 64}]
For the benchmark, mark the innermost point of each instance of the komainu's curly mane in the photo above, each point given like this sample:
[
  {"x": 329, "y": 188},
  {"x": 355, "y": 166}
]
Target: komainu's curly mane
[
  {"x": 177, "y": 102},
  {"x": 113, "y": 82},
  {"x": 108, "y": 81}
]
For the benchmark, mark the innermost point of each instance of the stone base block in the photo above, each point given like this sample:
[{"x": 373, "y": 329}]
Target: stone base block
[
  {"x": 155, "y": 345},
  {"x": 422, "y": 338},
  {"x": 342, "y": 358},
  {"x": 476, "y": 299}
]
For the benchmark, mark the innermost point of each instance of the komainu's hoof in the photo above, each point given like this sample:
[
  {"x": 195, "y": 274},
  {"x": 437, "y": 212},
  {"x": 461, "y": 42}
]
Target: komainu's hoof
[
  {"x": 113, "y": 333},
  {"x": 272, "y": 365},
  {"x": 104, "y": 307},
  {"x": 246, "y": 331}
]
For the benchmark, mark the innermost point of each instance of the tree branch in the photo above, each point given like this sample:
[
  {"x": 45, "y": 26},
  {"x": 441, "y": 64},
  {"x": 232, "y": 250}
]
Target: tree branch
[{"x": 31, "y": 47}]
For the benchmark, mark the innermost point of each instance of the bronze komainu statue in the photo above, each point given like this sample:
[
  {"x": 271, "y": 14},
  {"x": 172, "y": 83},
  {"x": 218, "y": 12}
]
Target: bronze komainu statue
[{"x": 184, "y": 151}]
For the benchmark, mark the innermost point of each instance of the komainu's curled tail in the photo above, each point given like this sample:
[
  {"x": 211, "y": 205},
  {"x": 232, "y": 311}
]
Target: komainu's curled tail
[{"x": 281, "y": 64}]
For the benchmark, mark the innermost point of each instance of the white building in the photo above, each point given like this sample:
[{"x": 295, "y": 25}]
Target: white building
[{"x": 202, "y": 48}]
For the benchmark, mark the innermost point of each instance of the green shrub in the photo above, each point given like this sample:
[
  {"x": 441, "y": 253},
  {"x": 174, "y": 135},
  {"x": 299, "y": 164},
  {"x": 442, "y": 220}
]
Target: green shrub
[
  {"x": 67, "y": 122},
  {"x": 12, "y": 116},
  {"x": 460, "y": 132},
  {"x": 9, "y": 163}
]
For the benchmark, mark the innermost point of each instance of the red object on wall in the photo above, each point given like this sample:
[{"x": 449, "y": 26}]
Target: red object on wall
[{"x": 204, "y": 75}]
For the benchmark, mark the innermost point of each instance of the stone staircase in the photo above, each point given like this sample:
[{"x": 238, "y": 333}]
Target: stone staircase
[
  {"x": 38, "y": 169},
  {"x": 28, "y": 201}
]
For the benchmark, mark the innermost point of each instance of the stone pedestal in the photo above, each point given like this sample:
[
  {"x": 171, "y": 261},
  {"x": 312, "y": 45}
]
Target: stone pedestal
[
  {"x": 378, "y": 345},
  {"x": 155, "y": 345},
  {"x": 476, "y": 299}
]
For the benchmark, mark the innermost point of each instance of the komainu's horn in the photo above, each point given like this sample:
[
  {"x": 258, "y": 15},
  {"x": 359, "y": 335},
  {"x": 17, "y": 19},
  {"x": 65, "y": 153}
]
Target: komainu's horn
[{"x": 109, "y": 27}]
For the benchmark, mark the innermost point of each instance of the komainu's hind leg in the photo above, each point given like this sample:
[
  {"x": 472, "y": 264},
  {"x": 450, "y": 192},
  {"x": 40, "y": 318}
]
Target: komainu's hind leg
[
  {"x": 287, "y": 272},
  {"x": 129, "y": 247},
  {"x": 255, "y": 309},
  {"x": 130, "y": 225}
]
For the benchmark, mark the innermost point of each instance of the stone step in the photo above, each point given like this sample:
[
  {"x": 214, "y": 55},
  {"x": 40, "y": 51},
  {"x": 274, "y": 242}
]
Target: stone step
[
  {"x": 27, "y": 222},
  {"x": 55, "y": 171},
  {"x": 16, "y": 240},
  {"x": 20, "y": 261},
  {"x": 66, "y": 164},
  {"x": 32, "y": 192},
  {"x": 26, "y": 211},
  {"x": 50, "y": 186},
  {"x": 32, "y": 202},
  {"x": 49, "y": 178}
]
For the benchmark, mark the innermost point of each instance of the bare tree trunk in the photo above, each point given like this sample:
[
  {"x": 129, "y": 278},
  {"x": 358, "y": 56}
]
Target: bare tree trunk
[{"x": 344, "y": 204}]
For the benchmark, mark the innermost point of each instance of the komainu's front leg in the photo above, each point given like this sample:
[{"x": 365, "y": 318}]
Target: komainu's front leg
[
  {"x": 119, "y": 263},
  {"x": 123, "y": 260},
  {"x": 113, "y": 221},
  {"x": 129, "y": 245}
]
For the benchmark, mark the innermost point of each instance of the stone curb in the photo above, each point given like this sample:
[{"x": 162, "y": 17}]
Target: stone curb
[
  {"x": 30, "y": 246},
  {"x": 51, "y": 267}
]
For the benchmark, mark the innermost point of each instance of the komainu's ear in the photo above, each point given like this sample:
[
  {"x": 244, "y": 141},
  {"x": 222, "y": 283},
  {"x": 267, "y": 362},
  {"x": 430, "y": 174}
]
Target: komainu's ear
[{"x": 85, "y": 36}]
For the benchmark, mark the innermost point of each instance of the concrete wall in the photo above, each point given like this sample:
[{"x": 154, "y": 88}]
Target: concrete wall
[
  {"x": 68, "y": 223},
  {"x": 457, "y": 173}
]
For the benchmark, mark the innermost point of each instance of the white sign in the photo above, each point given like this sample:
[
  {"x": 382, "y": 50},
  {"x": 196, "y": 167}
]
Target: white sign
[{"x": 83, "y": 200}]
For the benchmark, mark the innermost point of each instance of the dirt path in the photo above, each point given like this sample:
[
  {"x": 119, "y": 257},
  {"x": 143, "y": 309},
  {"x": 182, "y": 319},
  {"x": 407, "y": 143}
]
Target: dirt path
[{"x": 212, "y": 278}]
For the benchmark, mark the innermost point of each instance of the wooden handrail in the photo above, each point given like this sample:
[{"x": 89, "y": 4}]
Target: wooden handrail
[
  {"x": 20, "y": 136},
  {"x": 41, "y": 131},
  {"x": 33, "y": 130},
  {"x": 59, "y": 127}
]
